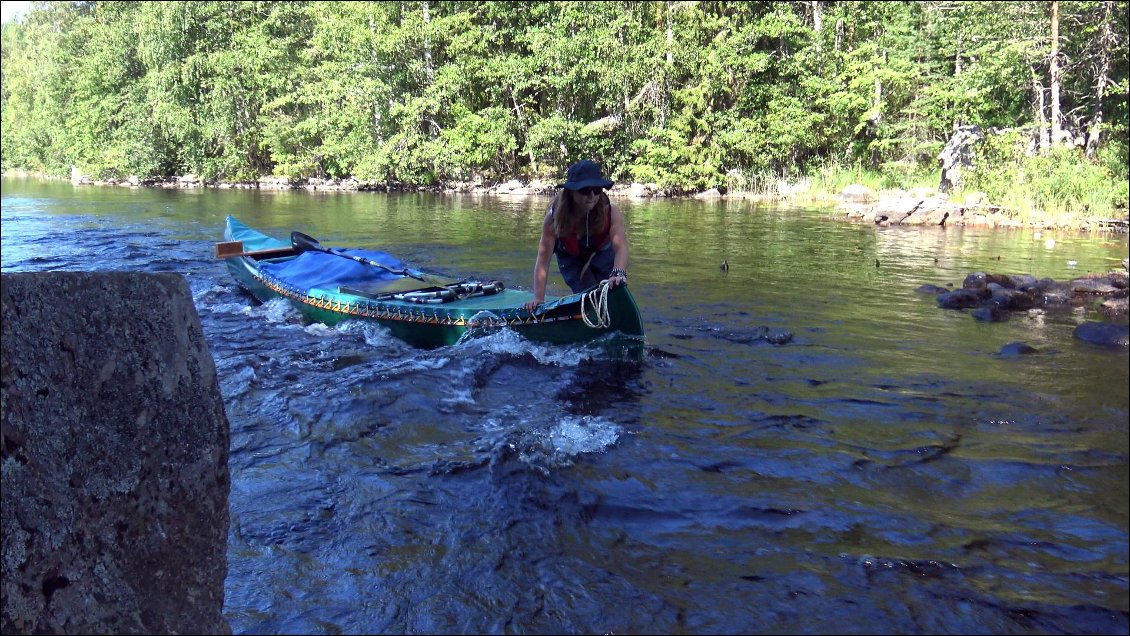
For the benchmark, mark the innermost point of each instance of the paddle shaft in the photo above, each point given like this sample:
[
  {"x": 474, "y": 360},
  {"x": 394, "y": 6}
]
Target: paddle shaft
[
  {"x": 302, "y": 242},
  {"x": 402, "y": 272}
]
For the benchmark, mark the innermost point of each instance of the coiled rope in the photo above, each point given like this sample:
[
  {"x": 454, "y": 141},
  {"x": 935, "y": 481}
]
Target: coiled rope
[{"x": 598, "y": 298}]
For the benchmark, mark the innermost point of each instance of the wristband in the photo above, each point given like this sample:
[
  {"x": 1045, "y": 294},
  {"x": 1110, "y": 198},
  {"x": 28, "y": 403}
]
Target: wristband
[{"x": 621, "y": 273}]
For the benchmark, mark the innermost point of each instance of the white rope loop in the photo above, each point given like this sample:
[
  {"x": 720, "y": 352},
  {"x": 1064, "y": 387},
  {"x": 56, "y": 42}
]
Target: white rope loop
[{"x": 598, "y": 298}]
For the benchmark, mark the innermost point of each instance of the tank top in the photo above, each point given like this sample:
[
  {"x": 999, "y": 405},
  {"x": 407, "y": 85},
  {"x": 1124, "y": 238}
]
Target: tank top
[{"x": 592, "y": 242}]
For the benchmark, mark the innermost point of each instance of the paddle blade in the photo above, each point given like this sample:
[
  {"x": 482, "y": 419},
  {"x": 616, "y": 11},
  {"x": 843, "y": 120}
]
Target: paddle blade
[
  {"x": 233, "y": 249},
  {"x": 304, "y": 242},
  {"x": 228, "y": 249}
]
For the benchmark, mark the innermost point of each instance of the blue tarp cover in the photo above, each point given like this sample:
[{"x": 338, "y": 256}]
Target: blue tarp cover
[{"x": 318, "y": 269}]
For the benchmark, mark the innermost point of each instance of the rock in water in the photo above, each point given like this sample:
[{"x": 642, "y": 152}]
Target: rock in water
[
  {"x": 1018, "y": 349},
  {"x": 1104, "y": 333},
  {"x": 115, "y": 458}
]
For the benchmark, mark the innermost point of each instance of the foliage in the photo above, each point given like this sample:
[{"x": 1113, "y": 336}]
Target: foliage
[
  {"x": 687, "y": 95},
  {"x": 1059, "y": 179}
]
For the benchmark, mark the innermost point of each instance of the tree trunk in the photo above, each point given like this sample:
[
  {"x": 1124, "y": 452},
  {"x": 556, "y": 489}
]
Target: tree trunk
[
  {"x": 522, "y": 124},
  {"x": 670, "y": 37},
  {"x": 877, "y": 101},
  {"x": 429, "y": 67},
  {"x": 669, "y": 68},
  {"x": 1094, "y": 132},
  {"x": 957, "y": 56},
  {"x": 1042, "y": 138},
  {"x": 1057, "y": 123},
  {"x": 373, "y": 58},
  {"x": 817, "y": 16}
]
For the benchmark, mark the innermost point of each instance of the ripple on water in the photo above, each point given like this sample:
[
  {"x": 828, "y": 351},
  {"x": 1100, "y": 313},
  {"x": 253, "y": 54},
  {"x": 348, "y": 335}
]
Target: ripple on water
[
  {"x": 733, "y": 481},
  {"x": 577, "y": 435}
]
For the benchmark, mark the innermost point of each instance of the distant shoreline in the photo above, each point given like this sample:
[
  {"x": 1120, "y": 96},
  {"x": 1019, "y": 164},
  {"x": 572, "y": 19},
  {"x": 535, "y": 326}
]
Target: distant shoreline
[{"x": 883, "y": 209}]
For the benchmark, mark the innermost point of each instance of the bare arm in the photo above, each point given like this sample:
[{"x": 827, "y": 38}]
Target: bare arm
[
  {"x": 541, "y": 265},
  {"x": 619, "y": 247}
]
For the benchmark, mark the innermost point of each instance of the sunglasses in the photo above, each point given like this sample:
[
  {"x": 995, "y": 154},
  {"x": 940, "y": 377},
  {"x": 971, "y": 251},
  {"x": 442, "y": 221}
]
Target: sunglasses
[{"x": 588, "y": 192}]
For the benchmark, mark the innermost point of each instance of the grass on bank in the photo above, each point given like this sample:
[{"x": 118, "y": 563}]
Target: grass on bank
[{"x": 1060, "y": 183}]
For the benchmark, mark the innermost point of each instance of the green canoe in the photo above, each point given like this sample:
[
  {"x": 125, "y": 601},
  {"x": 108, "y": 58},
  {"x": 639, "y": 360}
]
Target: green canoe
[{"x": 329, "y": 285}]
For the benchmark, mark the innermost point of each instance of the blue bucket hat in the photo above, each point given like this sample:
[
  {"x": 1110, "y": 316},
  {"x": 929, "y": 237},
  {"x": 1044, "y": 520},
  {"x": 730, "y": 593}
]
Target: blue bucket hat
[{"x": 585, "y": 174}]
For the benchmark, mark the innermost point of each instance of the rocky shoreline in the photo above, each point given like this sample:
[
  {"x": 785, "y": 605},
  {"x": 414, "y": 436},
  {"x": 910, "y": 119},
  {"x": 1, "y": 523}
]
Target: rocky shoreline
[
  {"x": 928, "y": 208},
  {"x": 855, "y": 203},
  {"x": 992, "y": 296},
  {"x": 996, "y": 297}
]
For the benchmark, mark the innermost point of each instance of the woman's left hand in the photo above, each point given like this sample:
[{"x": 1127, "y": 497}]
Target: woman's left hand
[{"x": 618, "y": 277}]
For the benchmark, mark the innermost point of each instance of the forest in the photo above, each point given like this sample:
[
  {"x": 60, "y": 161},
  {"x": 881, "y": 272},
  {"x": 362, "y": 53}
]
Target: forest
[{"x": 686, "y": 95}]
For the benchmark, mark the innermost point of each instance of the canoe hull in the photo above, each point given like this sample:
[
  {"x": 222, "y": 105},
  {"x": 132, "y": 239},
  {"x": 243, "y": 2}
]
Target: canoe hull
[{"x": 559, "y": 321}]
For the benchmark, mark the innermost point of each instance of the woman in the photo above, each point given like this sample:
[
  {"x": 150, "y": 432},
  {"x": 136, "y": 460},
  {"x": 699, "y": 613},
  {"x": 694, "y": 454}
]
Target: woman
[{"x": 586, "y": 231}]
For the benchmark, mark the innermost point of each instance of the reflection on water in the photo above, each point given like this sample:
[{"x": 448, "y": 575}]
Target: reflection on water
[{"x": 882, "y": 469}]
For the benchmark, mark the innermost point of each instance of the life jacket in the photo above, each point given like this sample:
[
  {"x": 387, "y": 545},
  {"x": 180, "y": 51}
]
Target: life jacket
[{"x": 582, "y": 247}]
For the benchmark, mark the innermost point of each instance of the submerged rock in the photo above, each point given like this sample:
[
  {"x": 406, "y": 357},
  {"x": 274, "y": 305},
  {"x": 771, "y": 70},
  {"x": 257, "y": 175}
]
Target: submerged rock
[
  {"x": 1104, "y": 333},
  {"x": 1018, "y": 349},
  {"x": 1113, "y": 307},
  {"x": 990, "y": 314},
  {"x": 932, "y": 289}
]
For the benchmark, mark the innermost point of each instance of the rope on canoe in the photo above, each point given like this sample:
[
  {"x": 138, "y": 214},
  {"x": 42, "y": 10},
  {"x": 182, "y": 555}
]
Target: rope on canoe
[{"x": 598, "y": 298}]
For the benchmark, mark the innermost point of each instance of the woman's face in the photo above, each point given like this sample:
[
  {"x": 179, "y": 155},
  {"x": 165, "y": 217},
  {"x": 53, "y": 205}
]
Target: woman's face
[{"x": 585, "y": 199}]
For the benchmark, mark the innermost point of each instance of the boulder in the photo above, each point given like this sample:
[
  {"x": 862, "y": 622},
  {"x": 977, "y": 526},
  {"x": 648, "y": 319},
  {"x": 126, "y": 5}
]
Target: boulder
[
  {"x": 1113, "y": 307},
  {"x": 640, "y": 190},
  {"x": 1103, "y": 334},
  {"x": 712, "y": 193},
  {"x": 512, "y": 186},
  {"x": 858, "y": 193},
  {"x": 115, "y": 451},
  {"x": 959, "y": 299},
  {"x": 1013, "y": 349},
  {"x": 957, "y": 156},
  {"x": 990, "y": 313}
]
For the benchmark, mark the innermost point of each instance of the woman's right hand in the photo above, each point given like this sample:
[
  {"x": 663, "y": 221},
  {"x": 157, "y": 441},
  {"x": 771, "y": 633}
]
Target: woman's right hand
[{"x": 533, "y": 304}]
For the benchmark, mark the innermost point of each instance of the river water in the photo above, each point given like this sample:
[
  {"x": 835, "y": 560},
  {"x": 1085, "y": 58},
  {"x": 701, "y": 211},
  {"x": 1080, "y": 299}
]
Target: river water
[{"x": 807, "y": 446}]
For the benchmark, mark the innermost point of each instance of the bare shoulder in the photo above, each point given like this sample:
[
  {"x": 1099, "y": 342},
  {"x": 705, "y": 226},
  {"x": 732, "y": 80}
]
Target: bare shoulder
[{"x": 547, "y": 222}]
